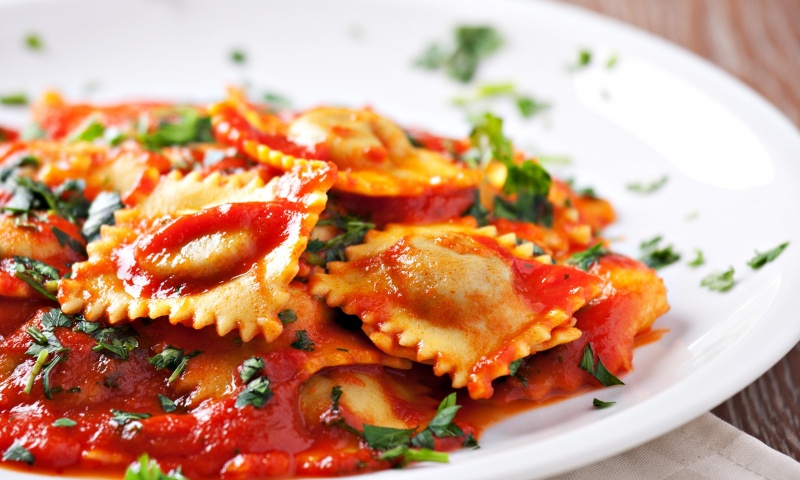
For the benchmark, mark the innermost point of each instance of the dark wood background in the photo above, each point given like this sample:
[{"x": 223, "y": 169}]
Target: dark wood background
[{"x": 758, "y": 41}]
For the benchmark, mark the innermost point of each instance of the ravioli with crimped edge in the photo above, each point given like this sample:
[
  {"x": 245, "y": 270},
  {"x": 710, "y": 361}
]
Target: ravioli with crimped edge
[
  {"x": 458, "y": 297},
  {"x": 197, "y": 243}
]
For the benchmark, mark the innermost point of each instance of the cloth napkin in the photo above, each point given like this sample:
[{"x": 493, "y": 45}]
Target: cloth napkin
[{"x": 706, "y": 448}]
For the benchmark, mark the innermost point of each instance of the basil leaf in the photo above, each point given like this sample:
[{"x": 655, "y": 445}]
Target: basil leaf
[
  {"x": 65, "y": 240},
  {"x": 93, "y": 131},
  {"x": 189, "y": 128},
  {"x": 38, "y": 275}
]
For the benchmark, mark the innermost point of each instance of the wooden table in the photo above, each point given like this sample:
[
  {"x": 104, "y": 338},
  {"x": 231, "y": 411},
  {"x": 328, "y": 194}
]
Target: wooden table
[{"x": 758, "y": 41}]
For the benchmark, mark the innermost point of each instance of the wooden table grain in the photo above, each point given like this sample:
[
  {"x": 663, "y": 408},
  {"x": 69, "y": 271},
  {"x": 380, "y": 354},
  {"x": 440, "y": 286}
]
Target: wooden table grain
[{"x": 758, "y": 41}]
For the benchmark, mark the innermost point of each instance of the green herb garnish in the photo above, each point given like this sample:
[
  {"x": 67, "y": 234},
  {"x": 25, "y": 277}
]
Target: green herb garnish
[
  {"x": 120, "y": 418},
  {"x": 598, "y": 370},
  {"x": 34, "y": 42},
  {"x": 14, "y": 100},
  {"x": 287, "y": 316},
  {"x": 655, "y": 257},
  {"x": 354, "y": 229},
  {"x": 719, "y": 281},
  {"x": 251, "y": 368},
  {"x": 646, "y": 188},
  {"x": 601, "y": 404},
  {"x": 302, "y": 342},
  {"x": 64, "y": 422},
  {"x": 173, "y": 359},
  {"x": 762, "y": 259},
  {"x": 166, "y": 403},
  {"x": 699, "y": 259},
  {"x": 146, "y": 468},
  {"x": 472, "y": 44},
  {"x": 38, "y": 275},
  {"x": 585, "y": 259},
  {"x": 18, "y": 453}
]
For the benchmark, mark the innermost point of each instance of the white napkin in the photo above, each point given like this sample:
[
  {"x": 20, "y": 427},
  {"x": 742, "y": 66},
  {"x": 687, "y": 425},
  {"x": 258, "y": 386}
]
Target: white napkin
[{"x": 706, "y": 448}]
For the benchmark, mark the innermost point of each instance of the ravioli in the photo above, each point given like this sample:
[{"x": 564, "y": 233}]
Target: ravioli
[
  {"x": 460, "y": 298},
  {"x": 195, "y": 244},
  {"x": 633, "y": 298}
]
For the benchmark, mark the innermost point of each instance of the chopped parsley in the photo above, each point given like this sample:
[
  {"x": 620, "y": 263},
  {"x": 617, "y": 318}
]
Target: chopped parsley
[
  {"x": 146, "y": 468},
  {"x": 302, "y": 342},
  {"x": 354, "y": 229},
  {"x": 585, "y": 259},
  {"x": 719, "y": 281},
  {"x": 598, "y": 370},
  {"x": 64, "y": 239},
  {"x": 238, "y": 57},
  {"x": 527, "y": 106},
  {"x": 101, "y": 212},
  {"x": 64, "y": 422},
  {"x": 120, "y": 418},
  {"x": 584, "y": 59},
  {"x": 256, "y": 393},
  {"x": 67, "y": 200},
  {"x": 612, "y": 61},
  {"x": 38, "y": 275},
  {"x": 601, "y": 404},
  {"x": 257, "y": 390},
  {"x": 190, "y": 127},
  {"x": 287, "y": 316},
  {"x": 277, "y": 101},
  {"x": 14, "y": 100},
  {"x": 762, "y": 259},
  {"x": 90, "y": 133},
  {"x": 251, "y": 368},
  {"x": 387, "y": 438},
  {"x": 473, "y": 43},
  {"x": 118, "y": 341},
  {"x": 166, "y": 403},
  {"x": 173, "y": 359},
  {"x": 655, "y": 257},
  {"x": 699, "y": 259},
  {"x": 34, "y": 42},
  {"x": 646, "y": 188},
  {"x": 18, "y": 453},
  {"x": 528, "y": 182}
]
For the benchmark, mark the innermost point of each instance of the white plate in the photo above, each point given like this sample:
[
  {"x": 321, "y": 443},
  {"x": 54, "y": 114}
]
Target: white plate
[{"x": 730, "y": 157}]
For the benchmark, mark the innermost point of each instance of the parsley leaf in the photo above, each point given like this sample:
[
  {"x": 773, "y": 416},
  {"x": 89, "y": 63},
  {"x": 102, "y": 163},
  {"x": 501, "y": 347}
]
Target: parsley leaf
[
  {"x": 90, "y": 133},
  {"x": 173, "y": 359},
  {"x": 354, "y": 228},
  {"x": 119, "y": 341},
  {"x": 762, "y": 259},
  {"x": 598, "y": 370},
  {"x": 18, "y": 453},
  {"x": 585, "y": 259},
  {"x": 64, "y": 422},
  {"x": 287, "y": 316},
  {"x": 120, "y": 418},
  {"x": 472, "y": 44},
  {"x": 699, "y": 259},
  {"x": 256, "y": 393},
  {"x": 238, "y": 57},
  {"x": 251, "y": 368},
  {"x": 386, "y": 438},
  {"x": 719, "y": 281},
  {"x": 101, "y": 212},
  {"x": 34, "y": 42},
  {"x": 189, "y": 128},
  {"x": 655, "y": 257},
  {"x": 583, "y": 60},
  {"x": 166, "y": 403},
  {"x": 601, "y": 404},
  {"x": 302, "y": 342},
  {"x": 646, "y": 188},
  {"x": 15, "y": 100},
  {"x": 146, "y": 468},
  {"x": 64, "y": 239},
  {"x": 38, "y": 275}
]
